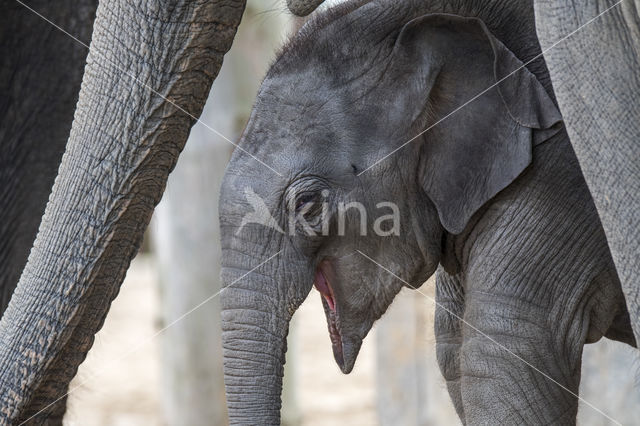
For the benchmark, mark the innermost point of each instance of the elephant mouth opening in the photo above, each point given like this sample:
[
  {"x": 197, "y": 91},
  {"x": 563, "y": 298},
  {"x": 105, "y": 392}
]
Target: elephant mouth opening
[{"x": 323, "y": 285}]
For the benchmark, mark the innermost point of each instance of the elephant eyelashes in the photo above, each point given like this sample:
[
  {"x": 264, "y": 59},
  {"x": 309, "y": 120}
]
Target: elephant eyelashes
[{"x": 355, "y": 169}]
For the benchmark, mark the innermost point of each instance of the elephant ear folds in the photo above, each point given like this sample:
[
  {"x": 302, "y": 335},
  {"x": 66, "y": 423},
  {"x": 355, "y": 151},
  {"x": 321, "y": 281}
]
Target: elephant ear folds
[
  {"x": 525, "y": 98},
  {"x": 495, "y": 110}
]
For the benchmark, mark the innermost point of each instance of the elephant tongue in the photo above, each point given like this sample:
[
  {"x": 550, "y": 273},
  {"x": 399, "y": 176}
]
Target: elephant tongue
[{"x": 324, "y": 288}]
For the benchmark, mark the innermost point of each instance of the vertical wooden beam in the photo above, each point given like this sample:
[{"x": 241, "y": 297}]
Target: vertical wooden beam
[
  {"x": 186, "y": 244},
  {"x": 609, "y": 380},
  {"x": 410, "y": 389},
  {"x": 401, "y": 362},
  {"x": 186, "y": 235}
]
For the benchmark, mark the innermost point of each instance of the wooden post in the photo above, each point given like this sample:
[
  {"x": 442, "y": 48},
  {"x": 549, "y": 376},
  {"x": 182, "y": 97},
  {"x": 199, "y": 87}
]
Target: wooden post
[
  {"x": 410, "y": 388},
  {"x": 400, "y": 362},
  {"x": 609, "y": 381},
  {"x": 186, "y": 241},
  {"x": 186, "y": 235}
]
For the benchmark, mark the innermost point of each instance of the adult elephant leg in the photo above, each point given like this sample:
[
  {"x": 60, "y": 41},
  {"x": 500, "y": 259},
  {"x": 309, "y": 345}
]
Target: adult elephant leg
[
  {"x": 597, "y": 85},
  {"x": 148, "y": 73}
]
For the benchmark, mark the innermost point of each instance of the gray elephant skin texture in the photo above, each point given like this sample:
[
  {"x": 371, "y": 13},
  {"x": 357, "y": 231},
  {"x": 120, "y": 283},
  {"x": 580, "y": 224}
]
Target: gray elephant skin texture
[
  {"x": 492, "y": 198},
  {"x": 595, "y": 78},
  {"x": 147, "y": 76}
]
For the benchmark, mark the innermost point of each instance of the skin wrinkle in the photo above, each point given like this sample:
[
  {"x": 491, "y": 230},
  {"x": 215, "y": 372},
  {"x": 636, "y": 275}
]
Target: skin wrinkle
[
  {"x": 546, "y": 263},
  {"x": 528, "y": 400},
  {"x": 510, "y": 374}
]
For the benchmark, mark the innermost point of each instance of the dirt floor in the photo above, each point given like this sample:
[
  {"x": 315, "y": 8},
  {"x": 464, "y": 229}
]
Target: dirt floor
[{"x": 119, "y": 383}]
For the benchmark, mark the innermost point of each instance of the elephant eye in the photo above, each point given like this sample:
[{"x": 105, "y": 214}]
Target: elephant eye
[{"x": 304, "y": 200}]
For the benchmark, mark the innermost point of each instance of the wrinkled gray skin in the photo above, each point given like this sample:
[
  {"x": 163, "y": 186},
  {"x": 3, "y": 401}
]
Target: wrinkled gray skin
[
  {"x": 494, "y": 195},
  {"x": 595, "y": 76},
  {"x": 124, "y": 141},
  {"x": 39, "y": 82}
]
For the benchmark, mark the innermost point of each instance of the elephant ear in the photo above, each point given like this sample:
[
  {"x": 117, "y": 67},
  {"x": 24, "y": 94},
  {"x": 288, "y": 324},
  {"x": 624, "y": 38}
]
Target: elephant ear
[{"x": 473, "y": 151}]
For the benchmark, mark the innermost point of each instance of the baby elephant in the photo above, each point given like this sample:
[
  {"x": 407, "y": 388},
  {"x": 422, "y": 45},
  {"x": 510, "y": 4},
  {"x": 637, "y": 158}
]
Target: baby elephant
[{"x": 388, "y": 140}]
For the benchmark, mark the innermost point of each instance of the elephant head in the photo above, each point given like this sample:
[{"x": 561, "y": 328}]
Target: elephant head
[{"x": 350, "y": 182}]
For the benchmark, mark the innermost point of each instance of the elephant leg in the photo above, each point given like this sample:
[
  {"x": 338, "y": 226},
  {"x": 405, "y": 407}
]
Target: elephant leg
[
  {"x": 513, "y": 369},
  {"x": 595, "y": 78},
  {"x": 448, "y": 332}
]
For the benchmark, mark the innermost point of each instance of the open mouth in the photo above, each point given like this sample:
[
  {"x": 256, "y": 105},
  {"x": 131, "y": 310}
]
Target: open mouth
[{"x": 323, "y": 285}]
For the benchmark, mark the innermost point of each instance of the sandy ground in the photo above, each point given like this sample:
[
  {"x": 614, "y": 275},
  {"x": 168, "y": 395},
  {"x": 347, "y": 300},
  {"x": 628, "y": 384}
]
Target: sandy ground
[
  {"x": 331, "y": 397},
  {"x": 119, "y": 383}
]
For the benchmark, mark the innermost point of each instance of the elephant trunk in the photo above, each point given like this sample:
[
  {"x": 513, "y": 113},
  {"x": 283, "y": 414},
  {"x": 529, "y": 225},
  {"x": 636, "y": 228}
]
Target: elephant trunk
[
  {"x": 149, "y": 69},
  {"x": 259, "y": 298},
  {"x": 254, "y": 341}
]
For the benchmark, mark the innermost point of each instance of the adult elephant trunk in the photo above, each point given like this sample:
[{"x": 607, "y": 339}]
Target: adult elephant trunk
[{"x": 148, "y": 74}]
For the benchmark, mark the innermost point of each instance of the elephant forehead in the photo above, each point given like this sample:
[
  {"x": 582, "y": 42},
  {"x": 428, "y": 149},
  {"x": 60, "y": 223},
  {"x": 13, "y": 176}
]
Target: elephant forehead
[
  {"x": 320, "y": 129},
  {"x": 291, "y": 108},
  {"x": 296, "y": 91}
]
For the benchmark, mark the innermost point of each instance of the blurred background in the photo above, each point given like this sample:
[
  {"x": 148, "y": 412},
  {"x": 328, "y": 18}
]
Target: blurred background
[{"x": 157, "y": 360}]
